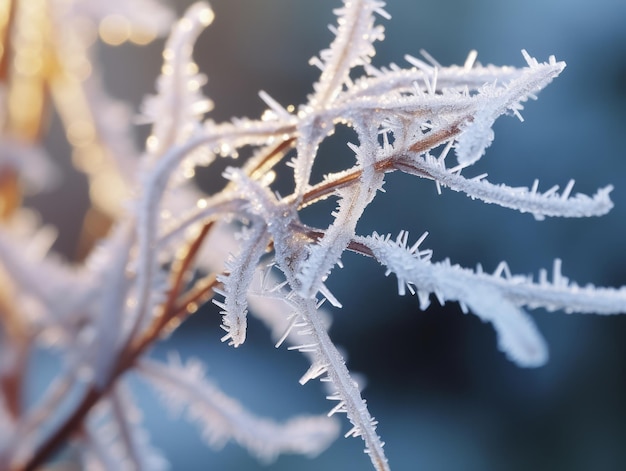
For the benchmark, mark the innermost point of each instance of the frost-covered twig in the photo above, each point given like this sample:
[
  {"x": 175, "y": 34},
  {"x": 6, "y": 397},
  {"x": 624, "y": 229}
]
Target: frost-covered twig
[
  {"x": 222, "y": 418},
  {"x": 171, "y": 247},
  {"x": 329, "y": 365}
]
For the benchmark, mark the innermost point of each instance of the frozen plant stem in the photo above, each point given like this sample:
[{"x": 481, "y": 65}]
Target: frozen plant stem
[{"x": 169, "y": 248}]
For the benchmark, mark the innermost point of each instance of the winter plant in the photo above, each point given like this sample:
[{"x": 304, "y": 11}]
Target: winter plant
[{"x": 171, "y": 248}]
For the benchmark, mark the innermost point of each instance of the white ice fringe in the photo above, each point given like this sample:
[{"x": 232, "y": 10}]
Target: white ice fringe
[
  {"x": 329, "y": 362},
  {"x": 115, "y": 438},
  {"x": 517, "y": 335},
  {"x": 496, "y": 297},
  {"x": 324, "y": 255},
  {"x": 179, "y": 102},
  {"x": 236, "y": 283},
  {"x": 477, "y": 134},
  {"x": 523, "y": 199},
  {"x": 111, "y": 264},
  {"x": 352, "y": 46},
  {"x": 222, "y": 418}
]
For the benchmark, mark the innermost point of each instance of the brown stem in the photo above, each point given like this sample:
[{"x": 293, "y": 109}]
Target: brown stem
[
  {"x": 14, "y": 347},
  {"x": 10, "y": 192},
  {"x": 264, "y": 162},
  {"x": 177, "y": 307},
  {"x": 7, "y": 15},
  {"x": 316, "y": 234},
  {"x": 172, "y": 309},
  {"x": 389, "y": 164}
]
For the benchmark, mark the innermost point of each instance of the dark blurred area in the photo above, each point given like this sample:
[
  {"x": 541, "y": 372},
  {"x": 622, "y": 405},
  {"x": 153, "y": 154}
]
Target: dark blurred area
[{"x": 446, "y": 398}]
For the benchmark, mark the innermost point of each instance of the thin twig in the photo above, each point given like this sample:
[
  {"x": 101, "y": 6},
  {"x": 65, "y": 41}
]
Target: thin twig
[{"x": 172, "y": 308}]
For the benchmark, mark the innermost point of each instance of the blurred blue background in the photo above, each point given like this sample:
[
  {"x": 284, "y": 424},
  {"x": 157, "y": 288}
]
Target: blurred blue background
[{"x": 446, "y": 398}]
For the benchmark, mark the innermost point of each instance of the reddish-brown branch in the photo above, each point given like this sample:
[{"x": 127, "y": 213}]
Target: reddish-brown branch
[
  {"x": 271, "y": 156},
  {"x": 14, "y": 346},
  {"x": 5, "y": 39},
  {"x": 176, "y": 307},
  {"x": 12, "y": 380},
  {"x": 173, "y": 308},
  {"x": 388, "y": 164}
]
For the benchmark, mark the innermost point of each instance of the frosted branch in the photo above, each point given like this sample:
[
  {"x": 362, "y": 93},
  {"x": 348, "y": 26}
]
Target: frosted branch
[
  {"x": 236, "y": 283},
  {"x": 329, "y": 362},
  {"x": 523, "y": 199},
  {"x": 223, "y": 419},
  {"x": 493, "y": 297},
  {"x": 352, "y": 46},
  {"x": 323, "y": 256}
]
